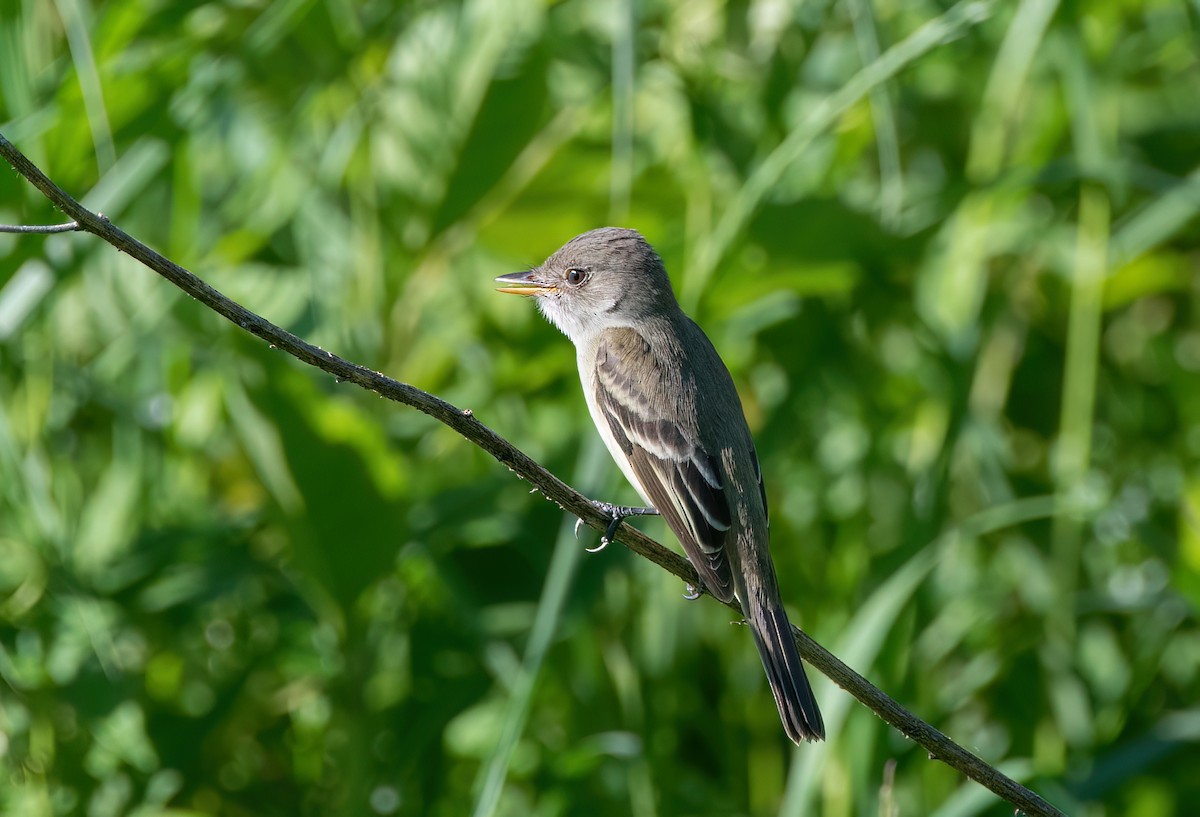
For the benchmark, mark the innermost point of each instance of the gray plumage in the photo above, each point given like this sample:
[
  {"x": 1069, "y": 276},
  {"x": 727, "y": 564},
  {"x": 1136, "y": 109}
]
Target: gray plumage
[{"x": 669, "y": 413}]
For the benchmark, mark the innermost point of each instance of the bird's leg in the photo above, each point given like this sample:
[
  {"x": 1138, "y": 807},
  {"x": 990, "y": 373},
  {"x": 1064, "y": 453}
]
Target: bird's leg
[
  {"x": 618, "y": 514},
  {"x": 692, "y": 591}
]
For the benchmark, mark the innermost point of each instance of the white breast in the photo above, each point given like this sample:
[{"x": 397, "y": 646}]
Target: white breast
[{"x": 586, "y": 358}]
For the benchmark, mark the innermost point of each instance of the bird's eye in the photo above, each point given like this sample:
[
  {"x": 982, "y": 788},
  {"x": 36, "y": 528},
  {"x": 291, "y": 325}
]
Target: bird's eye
[{"x": 575, "y": 276}]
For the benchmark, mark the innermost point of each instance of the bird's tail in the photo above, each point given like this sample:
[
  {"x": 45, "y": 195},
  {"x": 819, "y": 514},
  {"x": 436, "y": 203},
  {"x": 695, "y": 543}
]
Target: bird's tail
[{"x": 794, "y": 697}]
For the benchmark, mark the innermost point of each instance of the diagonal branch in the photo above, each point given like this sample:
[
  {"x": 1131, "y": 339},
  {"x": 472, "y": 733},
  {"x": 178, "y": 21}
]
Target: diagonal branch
[{"x": 464, "y": 422}]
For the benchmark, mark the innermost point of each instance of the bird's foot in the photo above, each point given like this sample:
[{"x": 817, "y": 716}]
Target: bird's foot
[
  {"x": 618, "y": 514},
  {"x": 693, "y": 592}
]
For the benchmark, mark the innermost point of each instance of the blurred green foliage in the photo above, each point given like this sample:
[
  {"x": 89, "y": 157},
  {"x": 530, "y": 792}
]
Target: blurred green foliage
[{"x": 949, "y": 252}]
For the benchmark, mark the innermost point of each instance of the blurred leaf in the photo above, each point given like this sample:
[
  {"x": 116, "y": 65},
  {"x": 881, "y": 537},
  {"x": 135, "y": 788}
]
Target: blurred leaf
[{"x": 512, "y": 113}]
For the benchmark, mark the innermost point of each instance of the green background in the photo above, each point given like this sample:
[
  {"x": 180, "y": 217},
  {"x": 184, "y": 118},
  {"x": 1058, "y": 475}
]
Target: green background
[{"x": 949, "y": 252}]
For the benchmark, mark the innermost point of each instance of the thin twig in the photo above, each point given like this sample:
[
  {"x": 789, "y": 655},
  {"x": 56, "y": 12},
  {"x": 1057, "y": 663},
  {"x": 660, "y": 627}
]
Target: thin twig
[
  {"x": 464, "y": 422},
  {"x": 44, "y": 229}
]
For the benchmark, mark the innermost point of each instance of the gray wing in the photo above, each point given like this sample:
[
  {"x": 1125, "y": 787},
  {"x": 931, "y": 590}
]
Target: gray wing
[
  {"x": 762, "y": 489},
  {"x": 684, "y": 481}
]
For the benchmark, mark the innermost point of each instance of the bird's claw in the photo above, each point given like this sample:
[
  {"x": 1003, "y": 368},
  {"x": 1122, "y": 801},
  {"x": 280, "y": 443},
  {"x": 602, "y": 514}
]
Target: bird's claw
[
  {"x": 692, "y": 593},
  {"x": 609, "y": 533},
  {"x": 617, "y": 514},
  {"x": 603, "y": 544}
]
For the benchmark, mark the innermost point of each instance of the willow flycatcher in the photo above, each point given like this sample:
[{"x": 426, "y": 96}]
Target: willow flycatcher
[{"x": 667, "y": 409}]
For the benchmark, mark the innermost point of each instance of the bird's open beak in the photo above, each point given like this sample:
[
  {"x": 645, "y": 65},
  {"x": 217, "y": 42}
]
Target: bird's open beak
[{"x": 522, "y": 283}]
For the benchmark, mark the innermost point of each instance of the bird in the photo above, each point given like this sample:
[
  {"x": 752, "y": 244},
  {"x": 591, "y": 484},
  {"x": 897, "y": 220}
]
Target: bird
[{"x": 667, "y": 409}]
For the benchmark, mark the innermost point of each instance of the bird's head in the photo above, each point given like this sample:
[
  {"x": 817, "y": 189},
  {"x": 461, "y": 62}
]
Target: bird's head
[{"x": 598, "y": 280}]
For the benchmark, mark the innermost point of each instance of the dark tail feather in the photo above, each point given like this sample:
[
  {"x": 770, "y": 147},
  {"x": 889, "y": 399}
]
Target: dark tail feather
[{"x": 794, "y": 697}]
